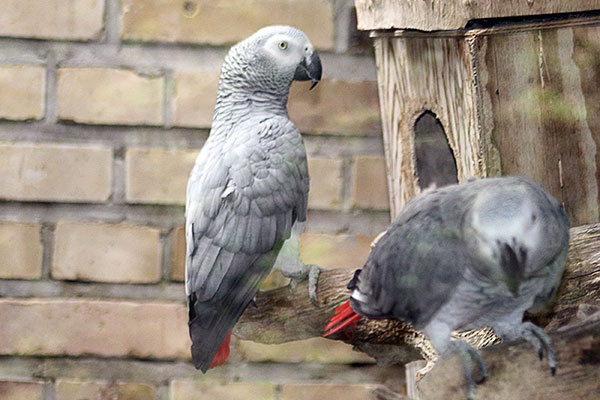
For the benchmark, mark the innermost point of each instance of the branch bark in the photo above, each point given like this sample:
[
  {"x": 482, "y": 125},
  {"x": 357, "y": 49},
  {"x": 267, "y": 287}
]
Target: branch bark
[
  {"x": 282, "y": 315},
  {"x": 517, "y": 373}
]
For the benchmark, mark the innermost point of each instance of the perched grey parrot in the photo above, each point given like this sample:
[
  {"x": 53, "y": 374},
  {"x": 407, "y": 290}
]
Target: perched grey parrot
[
  {"x": 249, "y": 186},
  {"x": 465, "y": 257}
]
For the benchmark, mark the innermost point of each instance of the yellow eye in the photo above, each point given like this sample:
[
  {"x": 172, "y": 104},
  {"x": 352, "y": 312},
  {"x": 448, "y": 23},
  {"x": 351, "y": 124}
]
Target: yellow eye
[{"x": 283, "y": 45}]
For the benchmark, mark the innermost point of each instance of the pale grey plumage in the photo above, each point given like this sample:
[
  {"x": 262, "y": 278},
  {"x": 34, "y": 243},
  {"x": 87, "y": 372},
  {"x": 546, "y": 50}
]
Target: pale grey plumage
[
  {"x": 465, "y": 257},
  {"x": 249, "y": 184}
]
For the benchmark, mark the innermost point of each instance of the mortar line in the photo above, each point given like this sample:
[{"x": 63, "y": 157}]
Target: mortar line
[
  {"x": 112, "y": 22},
  {"x": 168, "y": 97},
  {"x": 49, "y": 389},
  {"x": 166, "y": 245},
  {"x": 47, "y": 239},
  {"x": 118, "y": 195},
  {"x": 51, "y": 97},
  {"x": 347, "y": 183}
]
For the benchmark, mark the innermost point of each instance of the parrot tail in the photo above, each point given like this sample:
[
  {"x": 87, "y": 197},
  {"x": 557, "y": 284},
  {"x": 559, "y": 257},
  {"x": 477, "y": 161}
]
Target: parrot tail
[
  {"x": 344, "y": 319},
  {"x": 222, "y": 354}
]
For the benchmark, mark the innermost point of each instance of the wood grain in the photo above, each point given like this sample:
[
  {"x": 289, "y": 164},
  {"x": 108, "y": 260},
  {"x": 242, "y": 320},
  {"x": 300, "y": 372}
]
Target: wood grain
[
  {"x": 512, "y": 101},
  {"x": 539, "y": 105},
  {"x": 431, "y": 15},
  {"x": 428, "y": 74}
]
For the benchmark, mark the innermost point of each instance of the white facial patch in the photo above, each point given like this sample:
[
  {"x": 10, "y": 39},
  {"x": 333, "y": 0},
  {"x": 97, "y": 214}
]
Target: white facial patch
[{"x": 358, "y": 296}]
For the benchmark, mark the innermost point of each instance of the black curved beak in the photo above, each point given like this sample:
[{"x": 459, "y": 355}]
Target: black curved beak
[{"x": 309, "y": 68}]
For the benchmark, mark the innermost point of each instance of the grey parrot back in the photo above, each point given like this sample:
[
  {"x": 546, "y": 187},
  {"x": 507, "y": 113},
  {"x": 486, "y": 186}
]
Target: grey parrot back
[
  {"x": 503, "y": 230},
  {"x": 249, "y": 184},
  {"x": 466, "y": 257}
]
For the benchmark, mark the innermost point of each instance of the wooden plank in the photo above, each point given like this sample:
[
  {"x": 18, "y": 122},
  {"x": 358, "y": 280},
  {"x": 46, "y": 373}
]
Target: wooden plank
[
  {"x": 412, "y": 378},
  {"x": 434, "y": 74},
  {"x": 431, "y": 15},
  {"x": 544, "y": 114}
]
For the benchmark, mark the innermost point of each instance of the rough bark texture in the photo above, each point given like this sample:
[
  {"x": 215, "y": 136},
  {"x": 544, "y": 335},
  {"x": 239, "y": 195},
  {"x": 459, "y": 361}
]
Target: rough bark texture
[
  {"x": 517, "y": 373},
  {"x": 282, "y": 315}
]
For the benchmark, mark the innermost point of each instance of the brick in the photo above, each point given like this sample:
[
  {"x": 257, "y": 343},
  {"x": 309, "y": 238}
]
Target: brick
[
  {"x": 195, "y": 98},
  {"x": 292, "y": 391},
  {"x": 316, "y": 350},
  {"x": 325, "y": 183},
  {"x": 178, "y": 253},
  {"x": 106, "y": 253},
  {"x": 48, "y": 172},
  {"x": 370, "y": 183},
  {"x": 92, "y": 390},
  {"x": 216, "y": 390},
  {"x": 157, "y": 176},
  {"x": 335, "y": 251},
  {"x": 336, "y": 107},
  {"x": 274, "y": 280},
  {"x": 80, "y": 327},
  {"x": 204, "y": 21},
  {"x": 12, "y": 390},
  {"x": 20, "y": 251},
  {"x": 22, "y": 90},
  {"x": 109, "y": 96},
  {"x": 52, "y": 19}
]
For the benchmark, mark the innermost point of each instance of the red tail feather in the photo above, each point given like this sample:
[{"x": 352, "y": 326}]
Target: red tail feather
[
  {"x": 344, "y": 318},
  {"x": 222, "y": 354}
]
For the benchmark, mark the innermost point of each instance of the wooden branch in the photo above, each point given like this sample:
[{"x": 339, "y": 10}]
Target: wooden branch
[{"x": 282, "y": 316}]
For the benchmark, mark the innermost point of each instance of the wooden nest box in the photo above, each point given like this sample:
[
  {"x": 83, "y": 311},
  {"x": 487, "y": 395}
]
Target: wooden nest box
[{"x": 485, "y": 88}]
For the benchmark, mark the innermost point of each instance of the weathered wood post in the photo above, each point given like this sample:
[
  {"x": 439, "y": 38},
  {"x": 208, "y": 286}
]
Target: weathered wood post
[
  {"x": 513, "y": 85},
  {"x": 478, "y": 88}
]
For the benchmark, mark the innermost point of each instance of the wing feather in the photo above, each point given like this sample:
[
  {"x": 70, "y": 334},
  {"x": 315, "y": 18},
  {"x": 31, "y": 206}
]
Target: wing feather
[
  {"x": 242, "y": 201},
  {"x": 234, "y": 210}
]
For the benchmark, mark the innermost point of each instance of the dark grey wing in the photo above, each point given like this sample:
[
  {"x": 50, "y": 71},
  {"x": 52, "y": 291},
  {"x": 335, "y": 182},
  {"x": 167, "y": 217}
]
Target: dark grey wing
[
  {"x": 414, "y": 268},
  {"x": 243, "y": 197}
]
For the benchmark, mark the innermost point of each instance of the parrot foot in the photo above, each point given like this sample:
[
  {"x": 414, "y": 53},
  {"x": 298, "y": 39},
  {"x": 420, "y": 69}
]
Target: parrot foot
[
  {"x": 534, "y": 335},
  {"x": 540, "y": 342},
  {"x": 468, "y": 354},
  {"x": 423, "y": 371},
  {"x": 311, "y": 272}
]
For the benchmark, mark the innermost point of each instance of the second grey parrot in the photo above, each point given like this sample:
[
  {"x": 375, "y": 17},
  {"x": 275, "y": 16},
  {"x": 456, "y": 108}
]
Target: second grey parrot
[
  {"x": 465, "y": 257},
  {"x": 249, "y": 186}
]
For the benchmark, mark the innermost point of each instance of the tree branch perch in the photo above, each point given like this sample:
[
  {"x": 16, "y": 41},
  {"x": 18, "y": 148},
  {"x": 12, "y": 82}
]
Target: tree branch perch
[{"x": 282, "y": 315}]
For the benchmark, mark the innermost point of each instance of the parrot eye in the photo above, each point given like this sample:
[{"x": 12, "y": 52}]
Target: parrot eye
[{"x": 283, "y": 45}]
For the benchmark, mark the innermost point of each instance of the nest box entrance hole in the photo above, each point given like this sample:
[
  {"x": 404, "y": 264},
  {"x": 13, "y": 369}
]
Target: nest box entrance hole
[{"x": 435, "y": 161}]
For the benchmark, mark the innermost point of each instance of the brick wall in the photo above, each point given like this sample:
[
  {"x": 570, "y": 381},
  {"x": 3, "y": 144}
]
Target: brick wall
[{"x": 104, "y": 105}]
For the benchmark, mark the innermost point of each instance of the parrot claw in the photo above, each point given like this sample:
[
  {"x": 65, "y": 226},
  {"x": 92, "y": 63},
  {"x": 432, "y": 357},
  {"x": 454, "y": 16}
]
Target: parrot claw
[
  {"x": 423, "y": 371},
  {"x": 468, "y": 355},
  {"x": 313, "y": 280},
  {"x": 541, "y": 343},
  {"x": 311, "y": 272}
]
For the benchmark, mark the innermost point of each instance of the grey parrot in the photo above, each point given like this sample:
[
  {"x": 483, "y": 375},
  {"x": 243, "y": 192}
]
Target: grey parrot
[
  {"x": 249, "y": 187},
  {"x": 465, "y": 257}
]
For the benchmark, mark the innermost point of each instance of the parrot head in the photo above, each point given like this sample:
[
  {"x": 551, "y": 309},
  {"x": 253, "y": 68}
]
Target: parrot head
[{"x": 276, "y": 56}]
